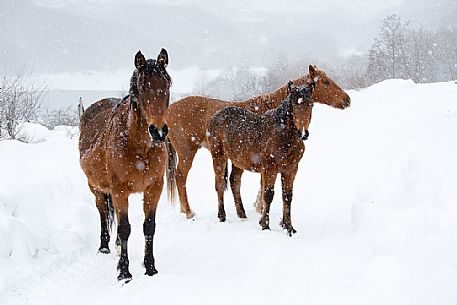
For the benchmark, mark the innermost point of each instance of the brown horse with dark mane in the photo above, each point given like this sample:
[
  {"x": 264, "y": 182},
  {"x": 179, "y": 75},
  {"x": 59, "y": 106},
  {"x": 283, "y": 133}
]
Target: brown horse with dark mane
[
  {"x": 268, "y": 144},
  {"x": 122, "y": 151},
  {"x": 188, "y": 120}
]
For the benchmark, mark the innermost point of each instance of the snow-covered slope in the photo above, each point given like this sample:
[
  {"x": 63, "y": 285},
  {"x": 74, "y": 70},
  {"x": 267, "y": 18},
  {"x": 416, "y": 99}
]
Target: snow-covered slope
[{"x": 375, "y": 206}]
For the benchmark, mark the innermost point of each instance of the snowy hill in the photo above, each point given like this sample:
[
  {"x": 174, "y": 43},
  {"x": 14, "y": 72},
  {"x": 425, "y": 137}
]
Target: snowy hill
[{"x": 375, "y": 206}]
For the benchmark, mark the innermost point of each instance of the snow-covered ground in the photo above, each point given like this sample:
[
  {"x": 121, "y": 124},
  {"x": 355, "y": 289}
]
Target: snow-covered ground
[{"x": 375, "y": 206}]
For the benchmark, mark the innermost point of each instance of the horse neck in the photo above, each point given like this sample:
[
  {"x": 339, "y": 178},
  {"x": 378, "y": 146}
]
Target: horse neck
[
  {"x": 284, "y": 113},
  {"x": 136, "y": 124},
  {"x": 267, "y": 101},
  {"x": 273, "y": 99}
]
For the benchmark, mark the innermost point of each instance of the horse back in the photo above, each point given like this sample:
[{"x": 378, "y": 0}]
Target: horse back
[
  {"x": 237, "y": 128},
  {"x": 94, "y": 121}
]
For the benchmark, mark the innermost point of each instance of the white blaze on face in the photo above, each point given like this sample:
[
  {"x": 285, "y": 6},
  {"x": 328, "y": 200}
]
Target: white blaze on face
[{"x": 300, "y": 100}]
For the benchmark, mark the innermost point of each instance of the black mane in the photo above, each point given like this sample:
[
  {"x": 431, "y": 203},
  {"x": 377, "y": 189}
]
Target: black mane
[
  {"x": 151, "y": 68},
  {"x": 284, "y": 113}
]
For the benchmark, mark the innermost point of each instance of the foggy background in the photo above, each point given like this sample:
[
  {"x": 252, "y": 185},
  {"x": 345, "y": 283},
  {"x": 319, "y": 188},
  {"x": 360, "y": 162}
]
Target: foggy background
[
  {"x": 225, "y": 49},
  {"x": 64, "y": 35}
]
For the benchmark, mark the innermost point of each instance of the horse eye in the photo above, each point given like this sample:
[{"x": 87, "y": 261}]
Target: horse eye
[{"x": 326, "y": 81}]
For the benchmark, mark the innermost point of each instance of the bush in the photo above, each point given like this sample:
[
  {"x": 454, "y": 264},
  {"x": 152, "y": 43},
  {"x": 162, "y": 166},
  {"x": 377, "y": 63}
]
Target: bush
[{"x": 20, "y": 101}]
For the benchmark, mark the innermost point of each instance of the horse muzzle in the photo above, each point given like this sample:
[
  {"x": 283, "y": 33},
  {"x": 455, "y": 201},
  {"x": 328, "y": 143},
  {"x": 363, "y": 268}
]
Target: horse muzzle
[
  {"x": 305, "y": 135},
  {"x": 347, "y": 103},
  {"x": 158, "y": 134}
]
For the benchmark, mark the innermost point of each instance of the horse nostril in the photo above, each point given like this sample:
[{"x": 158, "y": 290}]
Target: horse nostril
[
  {"x": 305, "y": 135},
  {"x": 158, "y": 134},
  {"x": 347, "y": 102}
]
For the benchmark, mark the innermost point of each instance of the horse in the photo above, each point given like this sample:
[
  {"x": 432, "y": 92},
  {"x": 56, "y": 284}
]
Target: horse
[
  {"x": 268, "y": 144},
  {"x": 122, "y": 151},
  {"x": 188, "y": 120}
]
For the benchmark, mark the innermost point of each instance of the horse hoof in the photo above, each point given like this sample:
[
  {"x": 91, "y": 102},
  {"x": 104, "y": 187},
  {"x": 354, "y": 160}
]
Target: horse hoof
[
  {"x": 151, "y": 272},
  {"x": 291, "y": 231},
  {"x": 104, "y": 250},
  {"x": 124, "y": 277},
  {"x": 222, "y": 219},
  {"x": 265, "y": 226}
]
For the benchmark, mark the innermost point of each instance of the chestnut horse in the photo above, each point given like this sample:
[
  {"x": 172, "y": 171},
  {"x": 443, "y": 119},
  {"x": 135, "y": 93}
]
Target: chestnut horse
[
  {"x": 122, "y": 151},
  {"x": 267, "y": 144},
  {"x": 188, "y": 120}
]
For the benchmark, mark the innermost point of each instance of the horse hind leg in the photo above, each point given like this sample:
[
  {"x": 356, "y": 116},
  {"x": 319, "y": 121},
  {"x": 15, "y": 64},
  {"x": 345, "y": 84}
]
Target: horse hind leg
[
  {"x": 235, "y": 184},
  {"x": 106, "y": 211},
  {"x": 182, "y": 170},
  {"x": 259, "y": 202}
]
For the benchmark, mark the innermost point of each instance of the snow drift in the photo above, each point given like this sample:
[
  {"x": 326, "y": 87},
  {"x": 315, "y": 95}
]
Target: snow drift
[{"x": 374, "y": 205}]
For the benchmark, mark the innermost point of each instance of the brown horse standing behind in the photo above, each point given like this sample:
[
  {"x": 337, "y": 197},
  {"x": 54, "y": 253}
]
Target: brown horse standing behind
[
  {"x": 122, "y": 152},
  {"x": 267, "y": 144},
  {"x": 188, "y": 120}
]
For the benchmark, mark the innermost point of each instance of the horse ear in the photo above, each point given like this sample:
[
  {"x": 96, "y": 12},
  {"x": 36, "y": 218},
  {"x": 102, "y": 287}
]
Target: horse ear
[
  {"x": 312, "y": 71},
  {"x": 289, "y": 85},
  {"x": 140, "y": 61},
  {"x": 162, "y": 59}
]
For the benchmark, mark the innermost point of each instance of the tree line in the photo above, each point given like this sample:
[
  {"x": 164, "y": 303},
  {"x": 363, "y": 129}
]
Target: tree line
[
  {"x": 398, "y": 51},
  {"x": 422, "y": 55}
]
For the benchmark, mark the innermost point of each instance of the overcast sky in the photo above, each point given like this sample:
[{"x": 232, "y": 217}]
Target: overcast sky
[{"x": 62, "y": 35}]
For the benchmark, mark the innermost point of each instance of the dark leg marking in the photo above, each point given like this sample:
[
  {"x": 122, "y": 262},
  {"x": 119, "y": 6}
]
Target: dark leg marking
[
  {"x": 286, "y": 222},
  {"x": 124, "y": 233},
  {"x": 149, "y": 228},
  {"x": 265, "y": 220}
]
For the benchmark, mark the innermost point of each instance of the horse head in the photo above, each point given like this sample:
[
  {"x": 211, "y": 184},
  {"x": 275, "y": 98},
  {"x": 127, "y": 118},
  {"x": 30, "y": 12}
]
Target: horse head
[
  {"x": 302, "y": 106},
  {"x": 326, "y": 90},
  {"x": 151, "y": 87}
]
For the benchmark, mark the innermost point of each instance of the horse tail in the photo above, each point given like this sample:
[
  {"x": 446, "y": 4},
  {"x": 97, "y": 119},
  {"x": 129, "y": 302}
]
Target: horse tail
[
  {"x": 80, "y": 108},
  {"x": 110, "y": 208},
  {"x": 171, "y": 172},
  {"x": 226, "y": 176}
]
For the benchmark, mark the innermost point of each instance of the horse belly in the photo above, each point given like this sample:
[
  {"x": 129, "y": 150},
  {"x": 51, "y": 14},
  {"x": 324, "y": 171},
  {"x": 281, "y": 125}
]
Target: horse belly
[
  {"x": 94, "y": 167},
  {"x": 251, "y": 160}
]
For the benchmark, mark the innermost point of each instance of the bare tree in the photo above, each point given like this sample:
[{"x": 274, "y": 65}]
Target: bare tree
[
  {"x": 66, "y": 117},
  {"x": 282, "y": 71},
  {"x": 20, "y": 100},
  {"x": 420, "y": 56},
  {"x": 387, "y": 57},
  {"x": 446, "y": 49},
  {"x": 232, "y": 84}
]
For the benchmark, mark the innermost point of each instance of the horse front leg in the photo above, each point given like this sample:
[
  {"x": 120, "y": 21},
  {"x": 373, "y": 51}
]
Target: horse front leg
[
  {"x": 287, "y": 181},
  {"x": 220, "y": 176},
  {"x": 268, "y": 187},
  {"x": 120, "y": 201},
  {"x": 151, "y": 200}
]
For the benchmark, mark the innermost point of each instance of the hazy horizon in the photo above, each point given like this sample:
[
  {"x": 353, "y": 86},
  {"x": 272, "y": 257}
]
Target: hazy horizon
[{"x": 102, "y": 35}]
